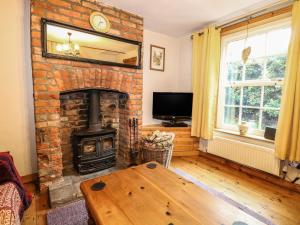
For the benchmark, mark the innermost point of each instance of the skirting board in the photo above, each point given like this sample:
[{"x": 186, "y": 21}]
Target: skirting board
[
  {"x": 29, "y": 178},
  {"x": 186, "y": 153}
]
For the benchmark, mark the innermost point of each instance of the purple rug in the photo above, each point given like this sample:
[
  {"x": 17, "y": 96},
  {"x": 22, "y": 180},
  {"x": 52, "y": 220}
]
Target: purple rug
[
  {"x": 76, "y": 213},
  {"x": 72, "y": 214}
]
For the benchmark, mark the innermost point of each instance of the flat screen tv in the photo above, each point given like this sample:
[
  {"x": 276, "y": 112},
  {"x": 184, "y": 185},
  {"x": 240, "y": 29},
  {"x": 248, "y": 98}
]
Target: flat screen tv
[{"x": 172, "y": 106}]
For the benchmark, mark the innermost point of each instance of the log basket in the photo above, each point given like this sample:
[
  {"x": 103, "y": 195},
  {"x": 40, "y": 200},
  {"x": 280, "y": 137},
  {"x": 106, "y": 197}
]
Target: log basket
[{"x": 159, "y": 154}]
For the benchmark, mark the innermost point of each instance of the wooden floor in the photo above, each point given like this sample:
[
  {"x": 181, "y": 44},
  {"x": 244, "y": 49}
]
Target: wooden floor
[
  {"x": 36, "y": 213},
  {"x": 277, "y": 204},
  {"x": 273, "y": 202}
]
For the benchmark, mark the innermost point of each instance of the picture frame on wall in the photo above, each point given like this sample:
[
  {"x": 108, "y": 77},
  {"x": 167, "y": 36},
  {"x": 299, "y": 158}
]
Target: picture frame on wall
[{"x": 157, "y": 58}]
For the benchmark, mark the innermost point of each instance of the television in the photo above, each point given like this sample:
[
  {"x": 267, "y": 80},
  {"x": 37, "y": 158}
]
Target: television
[{"x": 173, "y": 107}]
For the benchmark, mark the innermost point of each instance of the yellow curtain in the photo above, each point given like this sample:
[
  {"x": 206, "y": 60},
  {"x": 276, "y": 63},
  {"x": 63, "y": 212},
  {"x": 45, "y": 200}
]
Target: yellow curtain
[
  {"x": 287, "y": 144},
  {"x": 206, "y": 66}
]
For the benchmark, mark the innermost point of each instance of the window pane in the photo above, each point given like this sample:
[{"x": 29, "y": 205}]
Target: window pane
[
  {"x": 231, "y": 115},
  {"x": 233, "y": 96},
  {"x": 276, "y": 66},
  {"x": 269, "y": 118},
  {"x": 272, "y": 96},
  {"x": 257, "y": 43},
  {"x": 278, "y": 41},
  {"x": 251, "y": 116},
  {"x": 254, "y": 69},
  {"x": 251, "y": 96},
  {"x": 234, "y": 71},
  {"x": 234, "y": 50}
]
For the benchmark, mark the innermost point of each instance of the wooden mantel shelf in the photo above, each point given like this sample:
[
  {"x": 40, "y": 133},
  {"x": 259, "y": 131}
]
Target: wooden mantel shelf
[{"x": 184, "y": 143}]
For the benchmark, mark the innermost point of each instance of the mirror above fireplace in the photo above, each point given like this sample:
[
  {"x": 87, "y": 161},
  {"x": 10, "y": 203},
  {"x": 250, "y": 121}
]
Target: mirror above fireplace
[{"x": 68, "y": 42}]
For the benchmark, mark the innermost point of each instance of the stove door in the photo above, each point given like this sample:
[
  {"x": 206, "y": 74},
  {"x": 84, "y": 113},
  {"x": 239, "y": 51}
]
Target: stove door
[
  {"x": 88, "y": 148},
  {"x": 107, "y": 146}
]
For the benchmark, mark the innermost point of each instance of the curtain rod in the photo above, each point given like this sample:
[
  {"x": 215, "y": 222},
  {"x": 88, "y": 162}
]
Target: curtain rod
[{"x": 253, "y": 15}]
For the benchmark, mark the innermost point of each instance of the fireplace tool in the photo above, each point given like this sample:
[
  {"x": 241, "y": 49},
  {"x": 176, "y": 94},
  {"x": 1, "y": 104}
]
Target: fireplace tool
[
  {"x": 136, "y": 135},
  {"x": 133, "y": 140},
  {"x": 136, "y": 139}
]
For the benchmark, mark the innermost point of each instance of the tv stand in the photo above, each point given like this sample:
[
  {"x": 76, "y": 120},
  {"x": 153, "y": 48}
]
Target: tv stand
[{"x": 173, "y": 123}]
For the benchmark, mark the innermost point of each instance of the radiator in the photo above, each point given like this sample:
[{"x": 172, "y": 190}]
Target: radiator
[{"x": 248, "y": 154}]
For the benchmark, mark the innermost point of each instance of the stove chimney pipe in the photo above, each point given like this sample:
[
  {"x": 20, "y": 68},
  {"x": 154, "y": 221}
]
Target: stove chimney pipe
[{"x": 94, "y": 109}]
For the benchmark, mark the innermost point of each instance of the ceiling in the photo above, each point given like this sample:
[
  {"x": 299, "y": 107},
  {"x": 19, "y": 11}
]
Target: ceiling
[{"x": 180, "y": 17}]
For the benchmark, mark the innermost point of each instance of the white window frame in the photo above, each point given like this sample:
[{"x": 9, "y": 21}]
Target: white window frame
[{"x": 283, "y": 23}]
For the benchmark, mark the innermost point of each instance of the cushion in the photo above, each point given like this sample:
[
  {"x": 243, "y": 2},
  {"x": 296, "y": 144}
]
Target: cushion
[{"x": 10, "y": 204}]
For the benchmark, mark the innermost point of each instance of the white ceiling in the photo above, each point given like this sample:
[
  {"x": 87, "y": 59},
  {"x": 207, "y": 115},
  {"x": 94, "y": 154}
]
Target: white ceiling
[{"x": 180, "y": 17}]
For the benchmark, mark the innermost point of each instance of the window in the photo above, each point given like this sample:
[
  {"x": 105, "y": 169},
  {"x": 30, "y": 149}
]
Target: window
[{"x": 252, "y": 92}]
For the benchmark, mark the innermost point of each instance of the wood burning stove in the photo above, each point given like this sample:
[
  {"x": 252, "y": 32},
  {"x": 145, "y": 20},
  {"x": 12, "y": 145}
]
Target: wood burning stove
[
  {"x": 94, "y": 148},
  {"x": 94, "y": 151}
]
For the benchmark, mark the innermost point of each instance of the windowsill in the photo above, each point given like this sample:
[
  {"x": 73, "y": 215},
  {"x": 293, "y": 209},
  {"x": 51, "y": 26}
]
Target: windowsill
[{"x": 247, "y": 136}]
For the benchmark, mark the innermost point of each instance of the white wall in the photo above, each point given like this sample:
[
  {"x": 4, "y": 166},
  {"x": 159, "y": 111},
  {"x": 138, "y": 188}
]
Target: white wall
[
  {"x": 185, "y": 64},
  {"x": 16, "y": 101},
  {"x": 177, "y": 74}
]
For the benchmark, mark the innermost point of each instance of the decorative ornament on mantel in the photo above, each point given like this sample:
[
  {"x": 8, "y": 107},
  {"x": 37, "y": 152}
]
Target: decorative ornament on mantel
[{"x": 247, "y": 50}]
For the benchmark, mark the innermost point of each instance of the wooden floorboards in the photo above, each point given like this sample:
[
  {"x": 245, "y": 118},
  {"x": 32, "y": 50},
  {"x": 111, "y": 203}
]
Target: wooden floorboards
[
  {"x": 36, "y": 213},
  {"x": 279, "y": 205}
]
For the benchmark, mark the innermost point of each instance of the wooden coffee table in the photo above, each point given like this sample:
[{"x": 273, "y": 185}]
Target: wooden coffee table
[{"x": 144, "y": 196}]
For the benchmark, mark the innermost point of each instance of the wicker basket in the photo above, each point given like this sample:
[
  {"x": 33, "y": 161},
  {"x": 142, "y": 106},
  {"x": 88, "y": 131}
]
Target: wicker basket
[{"x": 161, "y": 155}]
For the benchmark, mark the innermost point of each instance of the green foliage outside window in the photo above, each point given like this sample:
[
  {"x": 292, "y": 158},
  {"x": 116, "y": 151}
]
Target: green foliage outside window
[
  {"x": 235, "y": 71},
  {"x": 254, "y": 70},
  {"x": 272, "y": 96},
  {"x": 269, "y": 118},
  {"x": 251, "y": 96},
  {"x": 233, "y": 96},
  {"x": 276, "y": 66}
]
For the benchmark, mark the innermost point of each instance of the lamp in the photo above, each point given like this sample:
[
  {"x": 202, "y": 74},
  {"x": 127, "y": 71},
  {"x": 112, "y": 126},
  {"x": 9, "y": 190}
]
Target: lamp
[{"x": 69, "y": 48}]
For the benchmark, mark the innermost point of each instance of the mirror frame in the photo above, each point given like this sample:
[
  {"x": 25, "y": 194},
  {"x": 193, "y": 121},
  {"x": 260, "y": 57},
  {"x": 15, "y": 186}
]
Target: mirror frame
[{"x": 45, "y": 53}]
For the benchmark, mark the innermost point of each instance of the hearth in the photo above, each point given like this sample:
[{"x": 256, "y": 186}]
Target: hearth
[{"x": 94, "y": 148}]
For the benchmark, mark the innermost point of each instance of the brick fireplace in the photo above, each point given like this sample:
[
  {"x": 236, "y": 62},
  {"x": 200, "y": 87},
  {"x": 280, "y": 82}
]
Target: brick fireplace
[{"x": 58, "y": 82}]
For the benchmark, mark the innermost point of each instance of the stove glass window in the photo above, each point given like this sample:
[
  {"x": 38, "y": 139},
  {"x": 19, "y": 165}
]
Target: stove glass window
[{"x": 89, "y": 146}]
